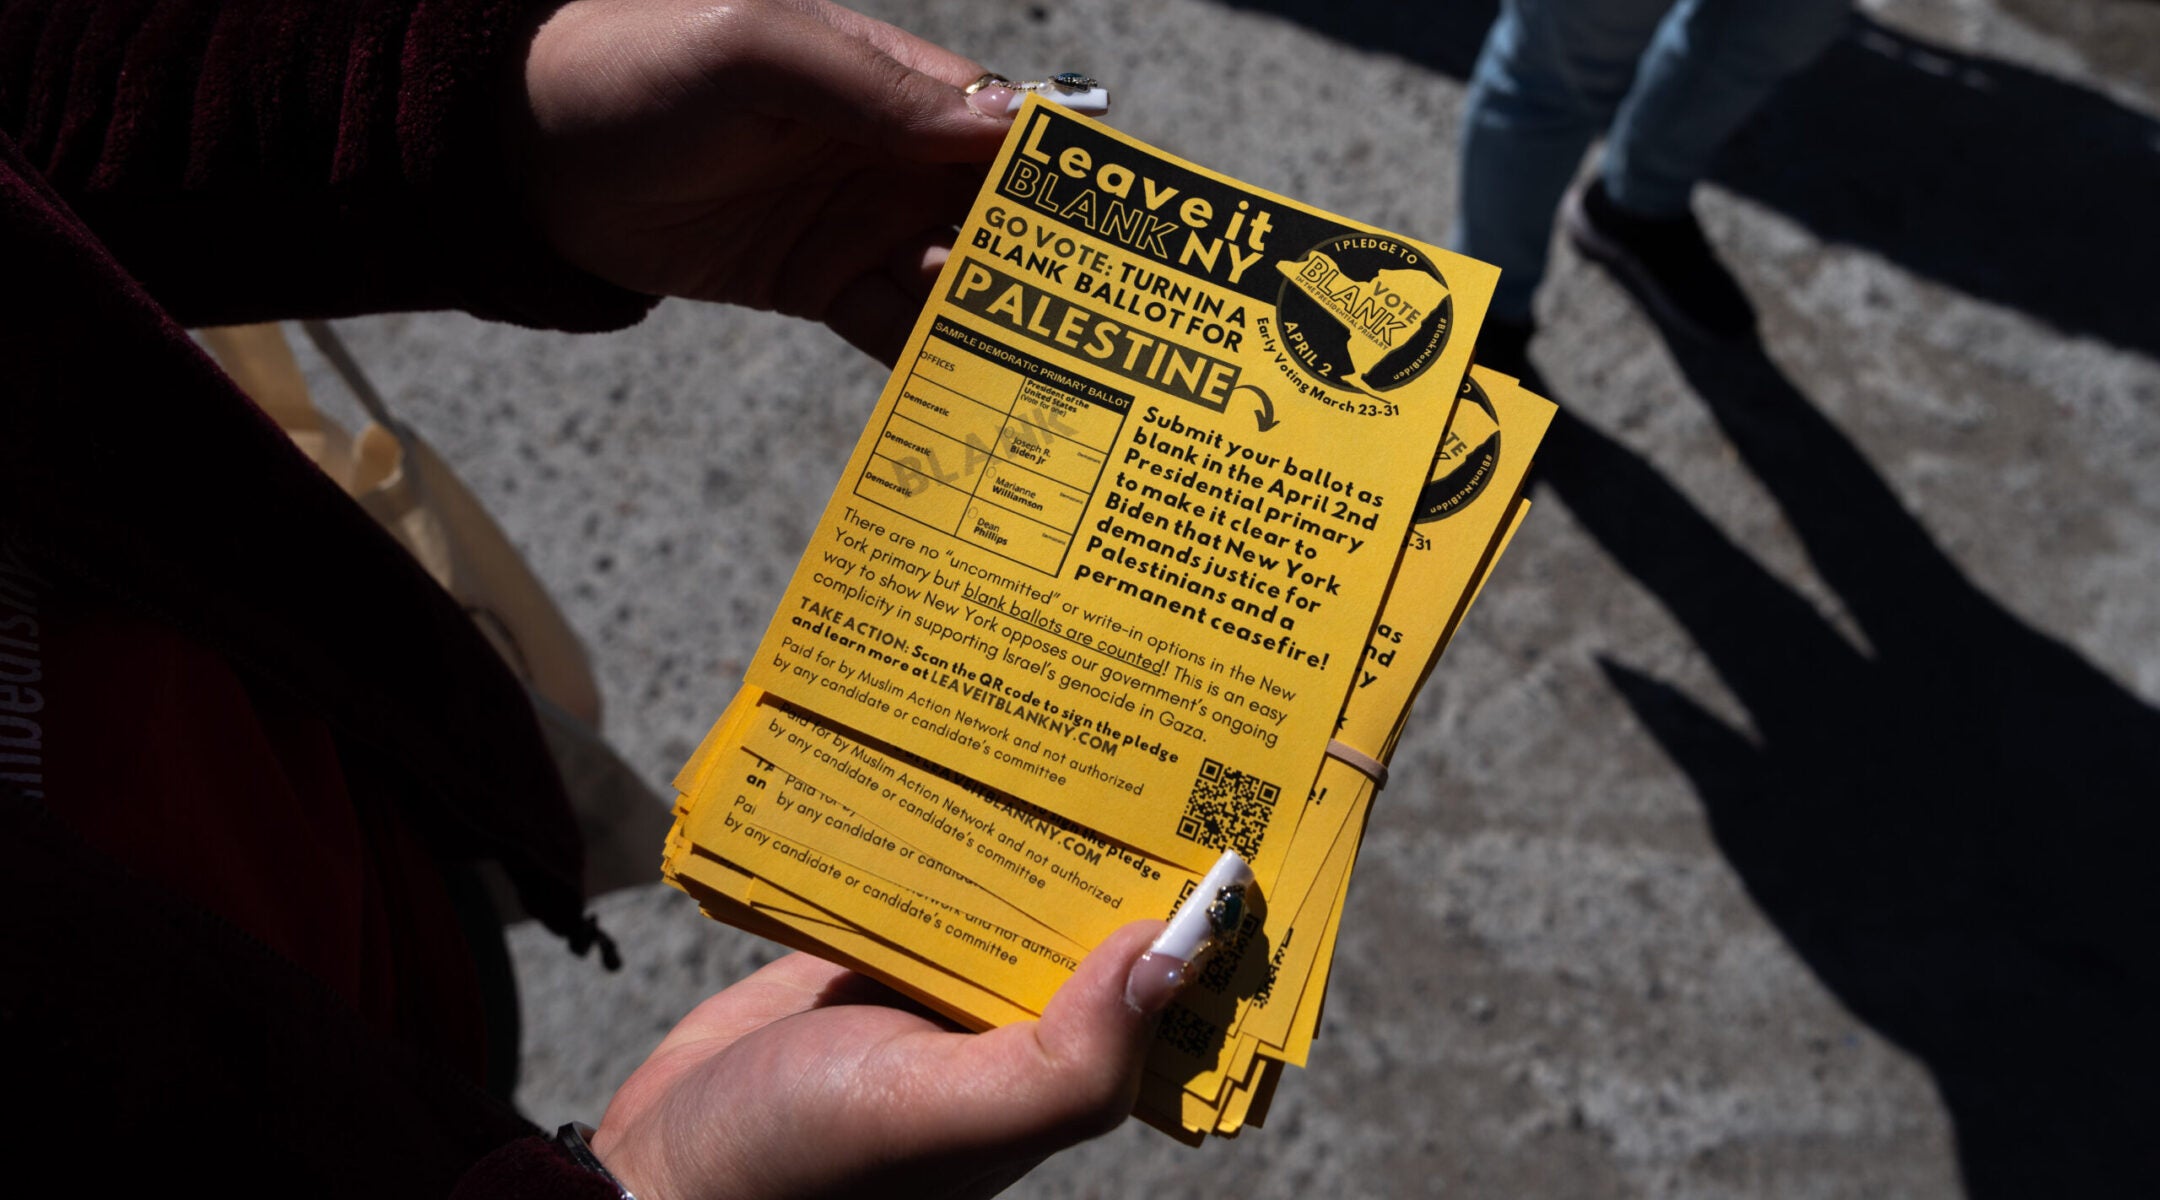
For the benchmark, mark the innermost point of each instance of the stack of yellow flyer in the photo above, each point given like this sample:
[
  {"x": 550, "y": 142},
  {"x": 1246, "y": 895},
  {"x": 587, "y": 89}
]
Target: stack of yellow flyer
[{"x": 1178, "y": 491}]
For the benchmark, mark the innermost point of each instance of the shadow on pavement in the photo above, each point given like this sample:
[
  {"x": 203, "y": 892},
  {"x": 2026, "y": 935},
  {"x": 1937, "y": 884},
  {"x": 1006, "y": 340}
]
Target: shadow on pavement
[
  {"x": 2009, "y": 185},
  {"x": 1950, "y": 827}
]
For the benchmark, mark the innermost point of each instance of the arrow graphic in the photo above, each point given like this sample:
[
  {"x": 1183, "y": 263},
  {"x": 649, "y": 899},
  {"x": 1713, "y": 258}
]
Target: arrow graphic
[{"x": 1265, "y": 414}]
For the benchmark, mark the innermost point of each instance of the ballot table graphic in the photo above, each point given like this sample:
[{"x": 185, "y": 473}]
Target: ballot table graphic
[{"x": 994, "y": 445}]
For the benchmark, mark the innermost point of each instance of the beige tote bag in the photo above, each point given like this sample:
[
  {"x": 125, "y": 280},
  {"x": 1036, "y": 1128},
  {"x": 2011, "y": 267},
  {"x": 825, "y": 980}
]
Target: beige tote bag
[{"x": 406, "y": 486}]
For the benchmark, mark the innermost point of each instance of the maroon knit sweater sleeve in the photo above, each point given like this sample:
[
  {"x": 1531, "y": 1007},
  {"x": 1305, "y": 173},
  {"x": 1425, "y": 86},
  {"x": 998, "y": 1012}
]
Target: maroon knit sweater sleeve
[
  {"x": 532, "y": 1169},
  {"x": 251, "y": 159}
]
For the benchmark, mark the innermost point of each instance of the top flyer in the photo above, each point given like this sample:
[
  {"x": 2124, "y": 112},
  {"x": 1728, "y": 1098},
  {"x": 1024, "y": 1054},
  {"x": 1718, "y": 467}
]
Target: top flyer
[{"x": 1115, "y": 537}]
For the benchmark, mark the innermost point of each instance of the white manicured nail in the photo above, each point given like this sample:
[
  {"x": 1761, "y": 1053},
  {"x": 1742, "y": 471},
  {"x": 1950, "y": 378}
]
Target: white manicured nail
[{"x": 1214, "y": 909}]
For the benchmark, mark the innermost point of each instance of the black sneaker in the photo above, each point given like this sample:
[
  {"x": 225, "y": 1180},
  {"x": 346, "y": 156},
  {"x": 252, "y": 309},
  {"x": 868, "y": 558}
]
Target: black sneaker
[{"x": 1665, "y": 262}]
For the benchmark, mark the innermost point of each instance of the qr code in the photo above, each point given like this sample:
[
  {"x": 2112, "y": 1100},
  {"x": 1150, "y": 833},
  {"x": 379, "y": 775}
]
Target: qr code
[
  {"x": 1185, "y": 1030},
  {"x": 1228, "y": 810}
]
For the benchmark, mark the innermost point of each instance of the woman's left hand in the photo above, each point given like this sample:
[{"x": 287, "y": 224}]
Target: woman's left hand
[
  {"x": 790, "y": 155},
  {"x": 806, "y": 1080}
]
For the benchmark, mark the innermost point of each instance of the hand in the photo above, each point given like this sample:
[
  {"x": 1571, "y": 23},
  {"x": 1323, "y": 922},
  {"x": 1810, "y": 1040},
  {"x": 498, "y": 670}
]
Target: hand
[
  {"x": 782, "y": 154},
  {"x": 808, "y": 1080}
]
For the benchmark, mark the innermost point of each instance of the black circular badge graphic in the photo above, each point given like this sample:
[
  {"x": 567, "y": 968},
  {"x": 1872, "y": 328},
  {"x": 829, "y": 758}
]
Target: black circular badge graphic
[
  {"x": 1467, "y": 471},
  {"x": 1363, "y": 311}
]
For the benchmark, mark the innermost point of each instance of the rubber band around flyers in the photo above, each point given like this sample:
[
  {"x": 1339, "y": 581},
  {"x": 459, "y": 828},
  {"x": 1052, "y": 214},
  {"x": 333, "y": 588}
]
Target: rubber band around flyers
[{"x": 1365, "y": 764}]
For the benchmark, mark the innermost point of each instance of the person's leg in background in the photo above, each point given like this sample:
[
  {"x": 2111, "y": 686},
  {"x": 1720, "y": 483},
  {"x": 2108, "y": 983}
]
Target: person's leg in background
[
  {"x": 1551, "y": 76},
  {"x": 1710, "y": 66}
]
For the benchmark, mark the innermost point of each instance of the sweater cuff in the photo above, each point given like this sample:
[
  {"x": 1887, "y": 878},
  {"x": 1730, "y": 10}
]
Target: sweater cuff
[
  {"x": 462, "y": 68},
  {"x": 531, "y": 1168}
]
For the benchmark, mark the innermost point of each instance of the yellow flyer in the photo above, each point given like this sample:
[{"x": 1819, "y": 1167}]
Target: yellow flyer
[
  {"x": 1061, "y": 874},
  {"x": 1463, "y": 518},
  {"x": 1118, "y": 530}
]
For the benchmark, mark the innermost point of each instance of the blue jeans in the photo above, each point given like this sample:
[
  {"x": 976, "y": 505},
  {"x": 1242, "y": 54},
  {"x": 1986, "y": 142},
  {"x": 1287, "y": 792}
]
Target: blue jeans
[{"x": 1666, "y": 82}]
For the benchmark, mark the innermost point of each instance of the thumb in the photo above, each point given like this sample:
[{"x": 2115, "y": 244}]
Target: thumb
[
  {"x": 1075, "y": 1073},
  {"x": 1098, "y": 1026}
]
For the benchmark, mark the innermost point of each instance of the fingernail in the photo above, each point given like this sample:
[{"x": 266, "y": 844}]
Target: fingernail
[
  {"x": 1214, "y": 910},
  {"x": 1091, "y": 101},
  {"x": 997, "y": 100},
  {"x": 1155, "y": 980}
]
